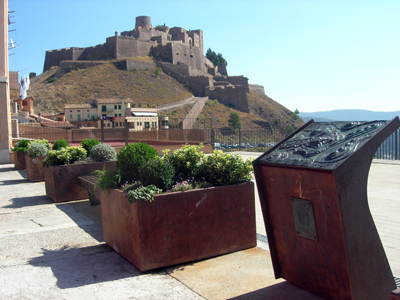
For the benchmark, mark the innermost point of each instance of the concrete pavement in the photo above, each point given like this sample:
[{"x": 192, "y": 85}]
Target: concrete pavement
[{"x": 56, "y": 251}]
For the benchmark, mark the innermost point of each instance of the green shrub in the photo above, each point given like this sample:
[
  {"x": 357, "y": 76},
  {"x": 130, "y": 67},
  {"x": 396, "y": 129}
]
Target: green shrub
[
  {"x": 57, "y": 158},
  {"x": 88, "y": 144},
  {"x": 60, "y": 144},
  {"x": 103, "y": 152},
  {"x": 52, "y": 79},
  {"x": 37, "y": 150},
  {"x": 221, "y": 168},
  {"x": 77, "y": 153},
  {"x": 64, "y": 156},
  {"x": 186, "y": 161},
  {"x": 21, "y": 146},
  {"x": 44, "y": 142},
  {"x": 131, "y": 157},
  {"x": 157, "y": 171}
]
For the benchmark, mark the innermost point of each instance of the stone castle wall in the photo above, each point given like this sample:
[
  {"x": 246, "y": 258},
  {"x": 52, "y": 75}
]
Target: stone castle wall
[
  {"x": 233, "y": 96},
  {"x": 196, "y": 84},
  {"x": 234, "y": 80}
]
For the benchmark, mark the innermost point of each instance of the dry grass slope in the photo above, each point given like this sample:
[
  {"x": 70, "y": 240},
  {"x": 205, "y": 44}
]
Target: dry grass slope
[
  {"x": 148, "y": 89},
  {"x": 104, "y": 81}
]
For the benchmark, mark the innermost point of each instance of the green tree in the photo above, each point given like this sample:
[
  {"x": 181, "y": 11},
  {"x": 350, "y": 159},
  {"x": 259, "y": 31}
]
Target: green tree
[
  {"x": 234, "y": 121},
  {"x": 296, "y": 111},
  {"x": 215, "y": 58},
  {"x": 289, "y": 129},
  {"x": 161, "y": 28}
]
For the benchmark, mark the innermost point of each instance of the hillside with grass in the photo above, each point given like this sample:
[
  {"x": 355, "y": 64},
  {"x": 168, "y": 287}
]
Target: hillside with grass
[
  {"x": 105, "y": 80},
  {"x": 149, "y": 88}
]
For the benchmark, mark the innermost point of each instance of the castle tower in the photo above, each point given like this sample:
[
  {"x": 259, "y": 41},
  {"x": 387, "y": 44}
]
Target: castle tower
[{"x": 144, "y": 22}]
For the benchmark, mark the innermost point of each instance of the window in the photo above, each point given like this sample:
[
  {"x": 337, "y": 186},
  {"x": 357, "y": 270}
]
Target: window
[
  {"x": 137, "y": 123},
  {"x": 103, "y": 108},
  {"x": 120, "y": 124},
  {"x": 119, "y": 114},
  {"x": 177, "y": 53},
  {"x": 79, "y": 110},
  {"x": 116, "y": 124},
  {"x": 70, "y": 111},
  {"x": 116, "y": 115},
  {"x": 88, "y": 116},
  {"x": 119, "y": 106},
  {"x": 146, "y": 124},
  {"x": 115, "y": 106},
  {"x": 70, "y": 117},
  {"x": 87, "y": 111},
  {"x": 24, "y": 103}
]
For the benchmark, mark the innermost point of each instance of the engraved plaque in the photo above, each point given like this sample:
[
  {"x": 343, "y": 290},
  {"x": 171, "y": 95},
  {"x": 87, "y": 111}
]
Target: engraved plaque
[{"x": 304, "y": 221}]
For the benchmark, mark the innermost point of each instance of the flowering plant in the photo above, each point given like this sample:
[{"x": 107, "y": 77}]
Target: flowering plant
[{"x": 184, "y": 169}]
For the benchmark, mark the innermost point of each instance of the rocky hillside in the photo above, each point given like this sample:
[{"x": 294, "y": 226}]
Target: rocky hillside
[{"x": 148, "y": 88}]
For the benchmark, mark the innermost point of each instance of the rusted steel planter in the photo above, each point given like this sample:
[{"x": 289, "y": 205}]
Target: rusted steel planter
[
  {"x": 34, "y": 168},
  {"x": 179, "y": 227},
  {"x": 19, "y": 160},
  {"x": 62, "y": 181}
]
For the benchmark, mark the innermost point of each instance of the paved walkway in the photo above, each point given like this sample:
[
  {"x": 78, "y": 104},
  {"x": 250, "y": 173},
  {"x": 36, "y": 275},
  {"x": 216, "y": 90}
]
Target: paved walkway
[{"x": 56, "y": 251}]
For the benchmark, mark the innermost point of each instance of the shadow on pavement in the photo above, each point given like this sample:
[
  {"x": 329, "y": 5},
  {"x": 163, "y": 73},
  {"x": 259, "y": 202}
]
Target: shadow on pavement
[
  {"x": 75, "y": 267},
  {"x": 279, "y": 291},
  {"x": 14, "y": 181},
  {"x": 29, "y": 201}
]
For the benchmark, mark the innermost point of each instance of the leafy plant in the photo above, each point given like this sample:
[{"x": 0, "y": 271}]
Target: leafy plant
[
  {"x": 157, "y": 171},
  {"x": 88, "y": 144},
  {"x": 221, "y": 168},
  {"x": 77, "y": 153},
  {"x": 52, "y": 79},
  {"x": 64, "y": 156},
  {"x": 60, "y": 144},
  {"x": 103, "y": 152},
  {"x": 131, "y": 157},
  {"x": 186, "y": 161},
  {"x": 107, "y": 180},
  {"x": 145, "y": 193},
  {"x": 44, "y": 142},
  {"x": 37, "y": 150},
  {"x": 57, "y": 158},
  {"x": 21, "y": 146}
]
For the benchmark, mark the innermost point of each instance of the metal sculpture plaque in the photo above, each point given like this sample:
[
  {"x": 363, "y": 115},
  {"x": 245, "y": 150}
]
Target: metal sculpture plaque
[
  {"x": 324, "y": 145},
  {"x": 313, "y": 193},
  {"x": 303, "y": 214}
]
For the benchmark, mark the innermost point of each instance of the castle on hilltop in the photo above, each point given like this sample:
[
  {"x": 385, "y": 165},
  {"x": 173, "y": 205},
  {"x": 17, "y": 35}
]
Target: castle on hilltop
[{"x": 177, "y": 52}]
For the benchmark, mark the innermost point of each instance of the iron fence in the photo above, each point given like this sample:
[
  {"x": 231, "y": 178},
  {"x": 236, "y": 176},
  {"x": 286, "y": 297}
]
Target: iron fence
[
  {"x": 201, "y": 131},
  {"x": 390, "y": 148}
]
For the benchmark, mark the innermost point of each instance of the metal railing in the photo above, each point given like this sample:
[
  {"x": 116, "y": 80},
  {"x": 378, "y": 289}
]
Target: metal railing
[
  {"x": 201, "y": 132},
  {"x": 390, "y": 148}
]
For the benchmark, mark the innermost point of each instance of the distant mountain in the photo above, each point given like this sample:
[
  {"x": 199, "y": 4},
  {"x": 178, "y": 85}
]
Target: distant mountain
[{"x": 348, "y": 115}]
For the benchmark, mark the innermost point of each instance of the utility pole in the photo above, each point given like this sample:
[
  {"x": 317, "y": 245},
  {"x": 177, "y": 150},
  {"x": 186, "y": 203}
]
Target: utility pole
[{"x": 5, "y": 117}]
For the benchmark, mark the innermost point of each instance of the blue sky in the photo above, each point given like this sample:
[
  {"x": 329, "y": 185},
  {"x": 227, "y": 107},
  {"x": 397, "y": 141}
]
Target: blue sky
[{"x": 313, "y": 55}]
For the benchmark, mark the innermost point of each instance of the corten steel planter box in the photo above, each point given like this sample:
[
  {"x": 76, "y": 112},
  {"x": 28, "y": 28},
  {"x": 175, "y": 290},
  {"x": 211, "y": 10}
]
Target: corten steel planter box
[
  {"x": 34, "y": 168},
  {"x": 62, "y": 181},
  {"x": 179, "y": 227},
  {"x": 19, "y": 160}
]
